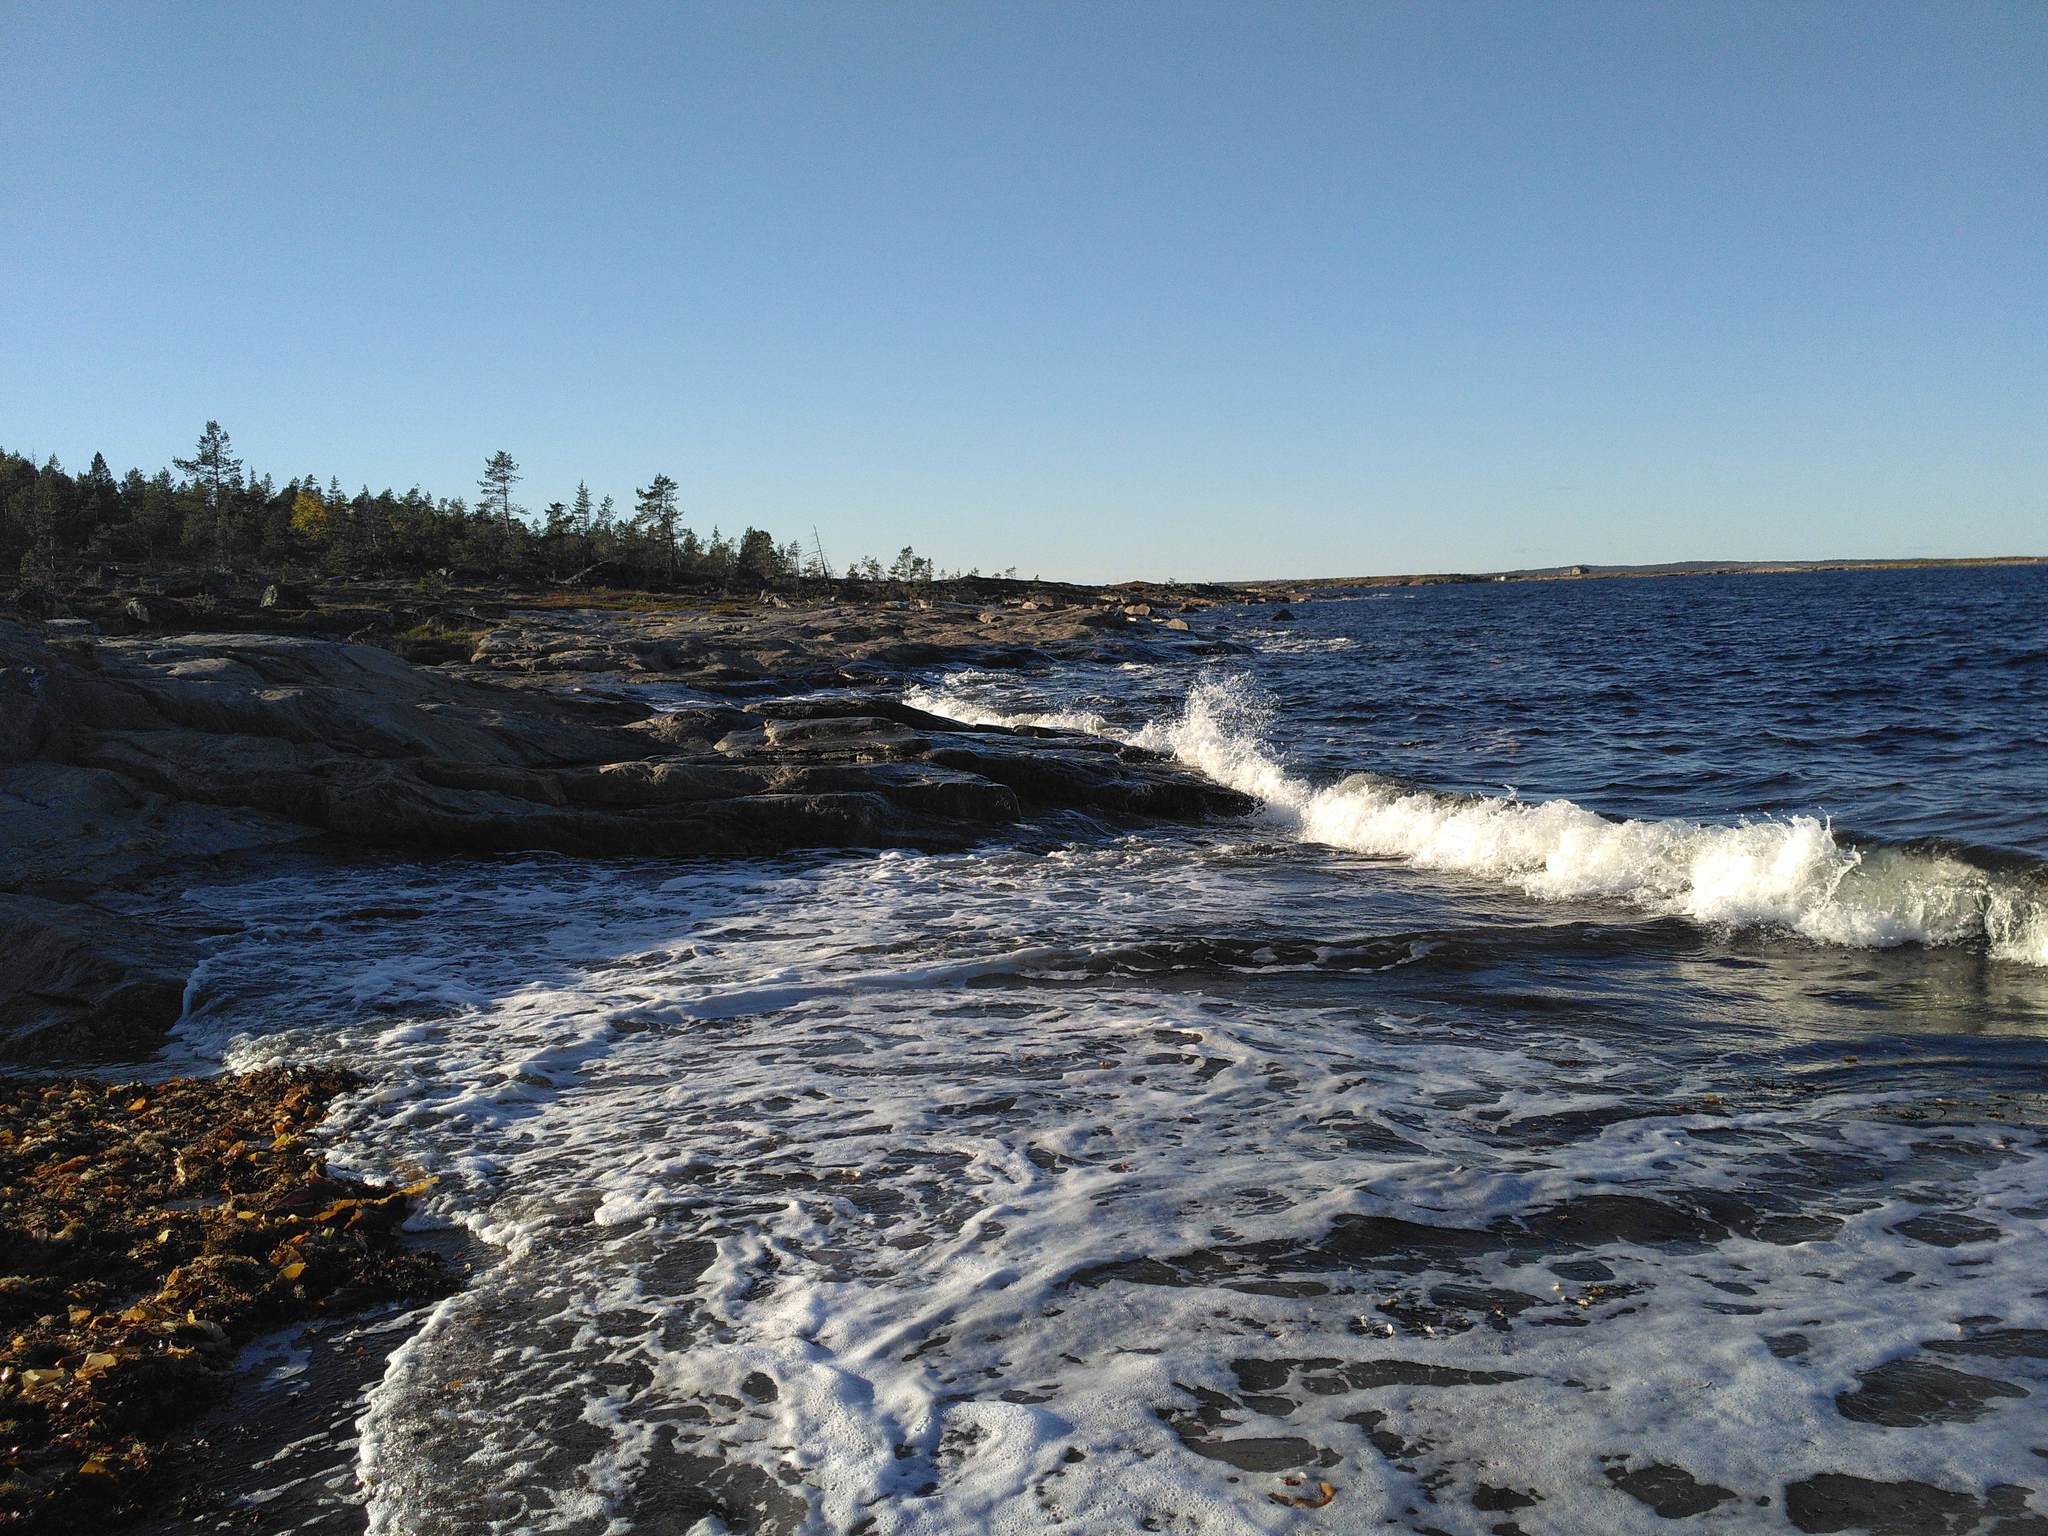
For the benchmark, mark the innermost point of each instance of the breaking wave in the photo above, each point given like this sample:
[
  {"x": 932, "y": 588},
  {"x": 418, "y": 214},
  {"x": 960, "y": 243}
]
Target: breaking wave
[{"x": 1793, "y": 873}]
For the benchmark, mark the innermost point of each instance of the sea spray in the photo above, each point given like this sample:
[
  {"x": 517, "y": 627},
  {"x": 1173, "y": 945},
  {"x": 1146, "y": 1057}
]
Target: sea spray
[{"x": 1792, "y": 872}]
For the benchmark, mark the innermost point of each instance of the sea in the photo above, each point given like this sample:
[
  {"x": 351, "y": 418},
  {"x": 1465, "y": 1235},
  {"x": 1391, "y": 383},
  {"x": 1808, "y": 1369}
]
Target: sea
[{"x": 1600, "y": 1089}]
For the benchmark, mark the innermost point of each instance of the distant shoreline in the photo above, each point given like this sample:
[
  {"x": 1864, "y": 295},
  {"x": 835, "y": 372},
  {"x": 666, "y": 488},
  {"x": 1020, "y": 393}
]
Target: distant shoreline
[{"x": 1610, "y": 572}]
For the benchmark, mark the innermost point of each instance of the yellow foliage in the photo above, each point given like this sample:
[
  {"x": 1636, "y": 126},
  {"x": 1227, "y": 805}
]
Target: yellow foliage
[{"x": 311, "y": 516}]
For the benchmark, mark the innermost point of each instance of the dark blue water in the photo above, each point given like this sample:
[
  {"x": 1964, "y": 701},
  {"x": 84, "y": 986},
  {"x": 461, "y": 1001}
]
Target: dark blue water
[{"x": 1904, "y": 704}]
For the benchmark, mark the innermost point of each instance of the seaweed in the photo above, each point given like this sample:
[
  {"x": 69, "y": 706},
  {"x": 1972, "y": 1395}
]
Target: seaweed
[{"x": 150, "y": 1230}]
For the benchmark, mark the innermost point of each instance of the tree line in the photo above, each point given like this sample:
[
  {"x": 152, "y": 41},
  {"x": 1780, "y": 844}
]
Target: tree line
[{"x": 212, "y": 513}]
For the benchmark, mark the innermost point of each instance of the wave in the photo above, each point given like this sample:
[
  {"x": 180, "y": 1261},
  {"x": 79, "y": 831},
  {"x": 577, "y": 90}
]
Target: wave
[{"x": 1793, "y": 873}]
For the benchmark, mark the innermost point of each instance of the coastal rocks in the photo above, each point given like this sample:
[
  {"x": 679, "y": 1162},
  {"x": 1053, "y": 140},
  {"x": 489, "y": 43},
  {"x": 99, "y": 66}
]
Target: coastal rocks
[
  {"x": 154, "y": 612},
  {"x": 83, "y": 983},
  {"x": 66, "y": 826},
  {"x": 26, "y": 716},
  {"x": 738, "y": 651},
  {"x": 122, "y": 756},
  {"x": 34, "y": 604}
]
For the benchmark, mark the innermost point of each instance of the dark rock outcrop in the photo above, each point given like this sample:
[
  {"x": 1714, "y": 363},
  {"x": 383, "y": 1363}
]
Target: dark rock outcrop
[
  {"x": 85, "y": 983},
  {"x": 122, "y": 755},
  {"x": 153, "y": 611}
]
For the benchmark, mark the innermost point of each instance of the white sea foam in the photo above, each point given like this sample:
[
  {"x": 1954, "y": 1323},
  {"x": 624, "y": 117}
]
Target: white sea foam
[
  {"x": 1791, "y": 873},
  {"x": 787, "y": 1178}
]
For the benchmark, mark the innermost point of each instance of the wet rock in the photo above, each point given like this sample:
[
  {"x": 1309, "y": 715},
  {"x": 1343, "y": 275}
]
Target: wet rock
[
  {"x": 1835, "y": 1501},
  {"x": 1365, "y": 1375},
  {"x": 1491, "y": 1500},
  {"x": 85, "y": 984},
  {"x": 1253, "y": 1453},
  {"x": 1670, "y": 1491},
  {"x": 1595, "y": 1220},
  {"x": 1912, "y": 1392},
  {"x": 1947, "y": 1229},
  {"x": 1997, "y": 1344},
  {"x": 1395, "y": 1447}
]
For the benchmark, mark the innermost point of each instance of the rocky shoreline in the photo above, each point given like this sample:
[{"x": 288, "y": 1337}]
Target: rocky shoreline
[
  {"x": 160, "y": 1226},
  {"x": 128, "y": 759}
]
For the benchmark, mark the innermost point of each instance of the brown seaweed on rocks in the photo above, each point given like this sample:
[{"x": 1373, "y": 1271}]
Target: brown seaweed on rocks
[{"x": 150, "y": 1229}]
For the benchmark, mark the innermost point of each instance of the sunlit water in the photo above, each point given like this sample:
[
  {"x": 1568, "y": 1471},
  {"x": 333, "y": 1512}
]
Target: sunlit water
[{"x": 1442, "y": 1157}]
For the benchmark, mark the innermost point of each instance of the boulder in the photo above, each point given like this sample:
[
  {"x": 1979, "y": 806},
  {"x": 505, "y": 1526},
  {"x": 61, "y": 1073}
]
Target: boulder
[
  {"x": 34, "y": 603},
  {"x": 152, "y": 611}
]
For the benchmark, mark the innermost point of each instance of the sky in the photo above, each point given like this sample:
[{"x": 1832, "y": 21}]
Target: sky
[{"x": 1102, "y": 290}]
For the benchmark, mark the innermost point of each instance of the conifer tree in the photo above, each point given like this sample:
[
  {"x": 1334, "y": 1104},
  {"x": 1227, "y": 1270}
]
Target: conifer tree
[
  {"x": 656, "y": 514},
  {"x": 494, "y": 490},
  {"x": 218, "y": 472}
]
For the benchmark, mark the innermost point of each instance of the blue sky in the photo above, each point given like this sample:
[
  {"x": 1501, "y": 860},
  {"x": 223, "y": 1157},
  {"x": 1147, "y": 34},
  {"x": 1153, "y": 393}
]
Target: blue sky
[{"x": 1097, "y": 290}]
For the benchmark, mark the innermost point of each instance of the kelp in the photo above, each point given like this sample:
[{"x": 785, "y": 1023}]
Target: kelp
[{"x": 149, "y": 1231}]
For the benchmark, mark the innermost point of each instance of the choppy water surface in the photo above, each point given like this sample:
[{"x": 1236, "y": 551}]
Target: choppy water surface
[{"x": 1411, "y": 1157}]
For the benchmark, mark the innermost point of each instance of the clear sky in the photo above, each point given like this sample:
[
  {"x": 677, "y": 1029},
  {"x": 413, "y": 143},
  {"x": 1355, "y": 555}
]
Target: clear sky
[{"x": 1098, "y": 290}]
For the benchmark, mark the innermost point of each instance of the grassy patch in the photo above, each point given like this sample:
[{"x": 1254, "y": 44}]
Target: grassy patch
[{"x": 436, "y": 640}]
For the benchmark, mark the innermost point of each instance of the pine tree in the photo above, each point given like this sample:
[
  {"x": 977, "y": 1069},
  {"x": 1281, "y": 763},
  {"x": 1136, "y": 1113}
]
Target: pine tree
[
  {"x": 656, "y": 514},
  {"x": 39, "y": 564},
  {"x": 218, "y": 472},
  {"x": 757, "y": 556},
  {"x": 494, "y": 491}
]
